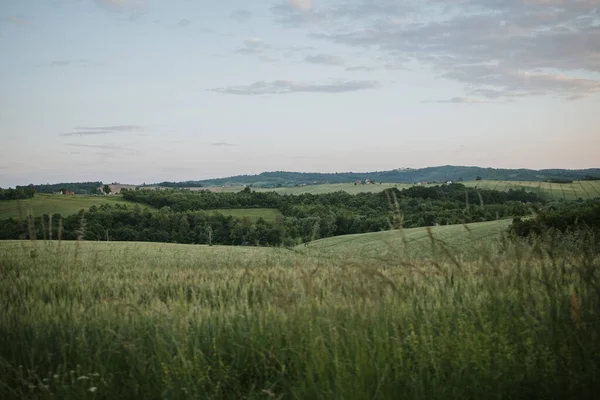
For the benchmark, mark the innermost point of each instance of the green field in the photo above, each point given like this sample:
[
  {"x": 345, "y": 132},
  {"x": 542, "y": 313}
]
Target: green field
[
  {"x": 470, "y": 240},
  {"x": 268, "y": 214},
  {"x": 331, "y": 188},
  {"x": 551, "y": 191},
  {"x": 54, "y": 204},
  {"x": 101, "y": 320}
]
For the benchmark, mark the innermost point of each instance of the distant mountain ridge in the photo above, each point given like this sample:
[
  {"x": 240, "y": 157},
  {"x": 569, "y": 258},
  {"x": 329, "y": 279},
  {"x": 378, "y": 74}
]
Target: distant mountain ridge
[{"x": 403, "y": 175}]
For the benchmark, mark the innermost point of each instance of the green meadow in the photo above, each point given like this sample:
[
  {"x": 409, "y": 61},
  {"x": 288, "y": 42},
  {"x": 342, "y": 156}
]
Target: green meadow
[{"x": 103, "y": 320}]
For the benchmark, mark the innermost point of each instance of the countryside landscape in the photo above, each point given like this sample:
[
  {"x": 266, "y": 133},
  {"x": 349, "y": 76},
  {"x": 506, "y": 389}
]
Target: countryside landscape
[{"x": 300, "y": 199}]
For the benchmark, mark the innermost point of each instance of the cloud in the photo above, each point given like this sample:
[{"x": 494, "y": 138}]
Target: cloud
[
  {"x": 241, "y": 15},
  {"x": 463, "y": 100},
  {"x": 184, "y": 23},
  {"x": 222, "y": 144},
  {"x": 120, "y": 5},
  {"x": 360, "y": 68},
  {"x": 286, "y": 87},
  {"x": 86, "y": 133},
  {"x": 509, "y": 48},
  {"x": 17, "y": 20},
  {"x": 325, "y": 59},
  {"x": 297, "y": 13},
  {"x": 116, "y": 128},
  {"x": 301, "y": 4},
  {"x": 395, "y": 67},
  {"x": 253, "y": 46},
  {"x": 64, "y": 63},
  {"x": 100, "y": 146},
  {"x": 102, "y": 130}
]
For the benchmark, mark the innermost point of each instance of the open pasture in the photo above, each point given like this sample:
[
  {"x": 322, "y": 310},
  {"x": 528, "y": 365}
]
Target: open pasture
[
  {"x": 128, "y": 320},
  {"x": 54, "y": 204}
]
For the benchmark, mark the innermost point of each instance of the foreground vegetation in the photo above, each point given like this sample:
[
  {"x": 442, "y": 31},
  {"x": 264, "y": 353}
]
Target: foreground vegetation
[{"x": 123, "y": 320}]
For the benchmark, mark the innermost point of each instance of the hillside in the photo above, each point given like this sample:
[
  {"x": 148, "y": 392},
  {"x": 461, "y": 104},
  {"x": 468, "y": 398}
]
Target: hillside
[
  {"x": 439, "y": 174},
  {"x": 470, "y": 240},
  {"x": 550, "y": 191},
  {"x": 54, "y": 204}
]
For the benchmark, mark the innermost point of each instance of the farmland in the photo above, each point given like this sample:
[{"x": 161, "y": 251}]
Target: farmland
[
  {"x": 138, "y": 320},
  {"x": 350, "y": 188},
  {"x": 268, "y": 214},
  {"x": 552, "y": 191},
  {"x": 54, "y": 204},
  {"x": 470, "y": 240}
]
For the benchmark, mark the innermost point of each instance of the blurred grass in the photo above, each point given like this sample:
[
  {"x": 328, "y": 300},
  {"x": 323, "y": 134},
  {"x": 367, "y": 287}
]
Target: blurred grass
[{"x": 153, "y": 321}]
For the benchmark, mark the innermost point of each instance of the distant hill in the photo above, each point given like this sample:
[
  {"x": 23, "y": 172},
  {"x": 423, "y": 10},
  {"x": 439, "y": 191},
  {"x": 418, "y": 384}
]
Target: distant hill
[{"x": 430, "y": 174}]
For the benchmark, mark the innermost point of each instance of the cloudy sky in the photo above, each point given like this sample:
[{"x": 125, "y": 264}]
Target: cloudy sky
[{"x": 152, "y": 90}]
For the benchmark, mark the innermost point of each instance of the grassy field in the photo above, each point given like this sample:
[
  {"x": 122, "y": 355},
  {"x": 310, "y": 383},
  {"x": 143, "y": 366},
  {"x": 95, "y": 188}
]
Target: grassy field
[
  {"x": 415, "y": 243},
  {"x": 337, "y": 187},
  {"x": 552, "y": 191},
  {"x": 268, "y": 214},
  {"x": 52, "y": 204},
  {"x": 140, "y": 320}
]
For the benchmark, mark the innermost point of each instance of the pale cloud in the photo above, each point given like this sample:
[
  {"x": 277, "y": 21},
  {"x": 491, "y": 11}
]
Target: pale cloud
[
  {"x": 102, "y": 130},
  {"x": 253, "y": 46},
  {"x": 17, "y": 20},
  {"x": 326, "y": 59},
  {"x": 360, "y": 68},
  {"x": 122, "y": 6},
  {"x": 241, "y": 15},
  {"x": 297, "y": 13},
  {"x": 463, "y": 100},
  {"x": 496, "y": 48},
  {"x": 222, "y": 144},
  {"x": 64, "y": 63},
  {"x": 301, "y": 4},
  {"x": 100, "y": 146},
  {"x": 286, "y": 87},
  {"x": 116, "y": 128},
  {"x": 184, "y": 23}
]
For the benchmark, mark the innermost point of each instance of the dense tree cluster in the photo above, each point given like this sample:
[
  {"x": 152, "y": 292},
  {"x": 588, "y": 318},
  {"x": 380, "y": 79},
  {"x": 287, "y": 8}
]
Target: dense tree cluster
[
  {"x": 75, "y": 187},
  {"x": 183, "y": 216},
  {"x": 561, "y": 217},
  {"x": 22, "y": 192}
]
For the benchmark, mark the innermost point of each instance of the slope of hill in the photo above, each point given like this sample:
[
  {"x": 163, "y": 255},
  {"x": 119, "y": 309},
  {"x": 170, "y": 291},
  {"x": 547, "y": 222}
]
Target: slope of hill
[
  {"x": 470, "y": 240},
  {"x": 442, "y": 173},
  {"x": 548, "y": 190},
  {"x": 54, "y": 204}
]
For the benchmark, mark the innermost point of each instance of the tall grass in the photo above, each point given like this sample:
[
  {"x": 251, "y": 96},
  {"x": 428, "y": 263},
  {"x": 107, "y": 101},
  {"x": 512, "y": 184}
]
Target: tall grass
[{"x": 143, "y": 322}]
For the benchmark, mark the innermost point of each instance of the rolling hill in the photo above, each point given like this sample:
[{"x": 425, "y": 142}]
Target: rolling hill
[
  {"x": 470, "y": 240},
  {"x": 438, "y": 174},
  {"x": 54, "y": 204}
]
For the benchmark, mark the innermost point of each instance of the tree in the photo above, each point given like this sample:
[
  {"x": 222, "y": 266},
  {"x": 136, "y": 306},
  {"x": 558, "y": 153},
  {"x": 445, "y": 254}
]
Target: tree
[
  {"x": 478, "y": 178},
  {"x": 106, "y": 189}
]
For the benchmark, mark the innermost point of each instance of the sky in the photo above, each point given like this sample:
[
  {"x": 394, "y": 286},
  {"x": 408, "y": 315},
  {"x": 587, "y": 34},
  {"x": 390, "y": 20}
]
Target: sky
[{"x": 136, "y": 91}]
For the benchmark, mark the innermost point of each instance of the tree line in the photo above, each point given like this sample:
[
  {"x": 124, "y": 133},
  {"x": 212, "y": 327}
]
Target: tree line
[
  {"x": 20, "y": 193},
  {"x": 75, "y": 187},
  {"x": 184, "y": 217}
]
